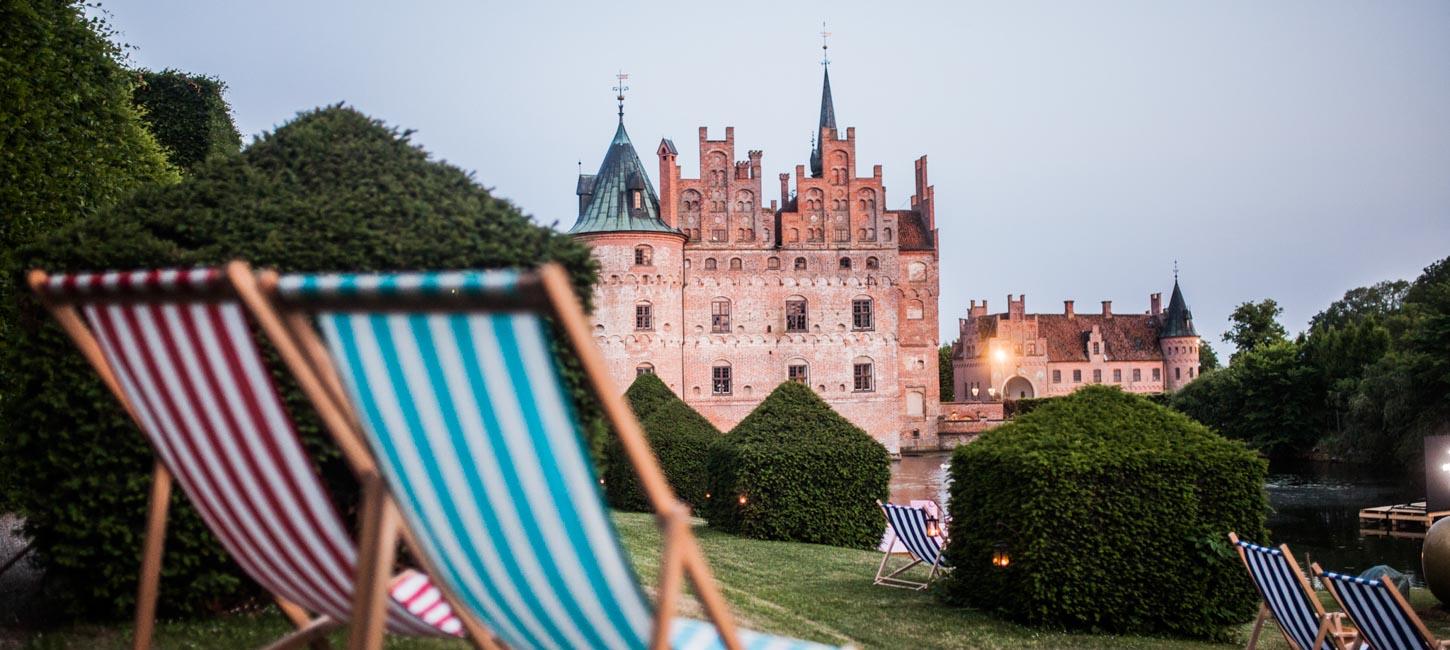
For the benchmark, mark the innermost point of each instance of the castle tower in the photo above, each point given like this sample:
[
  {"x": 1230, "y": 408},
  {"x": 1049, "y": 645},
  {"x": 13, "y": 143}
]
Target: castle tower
[
  {"x": 638, "y": 303},
  {"x": 1179, "y": 342}
]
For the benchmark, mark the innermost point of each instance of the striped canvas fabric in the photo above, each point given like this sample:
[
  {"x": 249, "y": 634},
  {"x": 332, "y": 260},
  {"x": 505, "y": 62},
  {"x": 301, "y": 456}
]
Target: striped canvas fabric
[
  {"x": 199, "y": 390},
  {"x": 1279, "y": 585},
  {"x": 909, "y": 525},
  {"x": 1377, "y": 614},
  {"x": 478, "y": 441}
]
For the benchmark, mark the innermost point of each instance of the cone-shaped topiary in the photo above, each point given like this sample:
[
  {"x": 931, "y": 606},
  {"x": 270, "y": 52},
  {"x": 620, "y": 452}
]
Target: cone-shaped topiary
[
  {"x": 680, "y": 438},
  {"x": 1113, "y": 513},
  {"x": 331, "y": 190},
  {"x": 794, "y": 469}
]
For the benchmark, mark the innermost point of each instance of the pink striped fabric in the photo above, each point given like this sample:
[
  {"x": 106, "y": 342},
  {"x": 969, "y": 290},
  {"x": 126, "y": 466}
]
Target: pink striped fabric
[{"x": 193, "y": 374}]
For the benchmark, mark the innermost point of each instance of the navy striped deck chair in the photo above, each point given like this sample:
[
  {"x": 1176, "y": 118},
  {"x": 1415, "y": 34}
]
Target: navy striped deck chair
[
  {"x": 1384, "y": 618},
  {"x": 910, "y": 526},
  {"x": 1288, "y": 598},
  {"x": 452, "y": 380},
  {"x": 175, "y": 348}
]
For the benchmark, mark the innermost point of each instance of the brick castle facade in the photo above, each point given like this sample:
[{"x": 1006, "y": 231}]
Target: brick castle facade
[{"x": 724, "y": 296}]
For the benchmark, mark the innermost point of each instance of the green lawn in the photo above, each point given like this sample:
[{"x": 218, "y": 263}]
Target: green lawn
[{"x": 815, "y": 592}]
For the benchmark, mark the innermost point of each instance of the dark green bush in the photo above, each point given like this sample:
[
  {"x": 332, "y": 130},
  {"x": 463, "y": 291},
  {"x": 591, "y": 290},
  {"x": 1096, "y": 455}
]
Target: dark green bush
[
  {"x": 188, "y": 116},
  {"x": 680, "y": 438},
  {"x": 1114, "y": 512},
  {"x": 331, "y": 190},
  {"x": 803, "y": 472}
]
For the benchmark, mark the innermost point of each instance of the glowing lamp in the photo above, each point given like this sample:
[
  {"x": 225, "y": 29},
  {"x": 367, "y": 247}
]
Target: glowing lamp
[
  {"x": 742, "y": 499},
  {"x": 1000, "y": 557},
  {"x": 707, "y": 495},
  {"x": 932, "y": 530},
  {"x": 1000, "y": 355}
]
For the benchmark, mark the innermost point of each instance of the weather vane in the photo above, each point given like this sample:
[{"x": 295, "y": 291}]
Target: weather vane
[
  {"x": 824, "y": 46},
  {"x": 1175, "y": 270},
  {"x": 621, "y": 88}
]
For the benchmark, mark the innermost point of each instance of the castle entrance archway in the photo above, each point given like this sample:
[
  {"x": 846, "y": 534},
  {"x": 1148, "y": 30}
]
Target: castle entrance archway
[{"x": 1018, "y": 388}]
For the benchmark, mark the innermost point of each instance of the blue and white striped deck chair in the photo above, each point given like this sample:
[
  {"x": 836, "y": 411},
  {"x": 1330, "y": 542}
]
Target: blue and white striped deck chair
[
  {"x": 453, "y": 381},
  {"x": 1384, "y": 618},
  {"x": 910, "y": 526},
  {"x": 1288, "y": 597}
]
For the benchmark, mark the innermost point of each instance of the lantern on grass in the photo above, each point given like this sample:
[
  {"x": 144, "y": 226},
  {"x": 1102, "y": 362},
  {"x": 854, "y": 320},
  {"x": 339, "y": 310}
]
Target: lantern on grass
[{"x": 1000, "y": 557}]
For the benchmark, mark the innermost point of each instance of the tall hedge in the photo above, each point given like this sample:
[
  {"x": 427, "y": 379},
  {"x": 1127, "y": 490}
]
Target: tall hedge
[
  {"x": 332, "y": 189},
  {"x": 795, "y": 470},
  {"x": 679, "y": 437},
  {"x": 188, "y": 116},
  {"x": 1114, "y": 512}
]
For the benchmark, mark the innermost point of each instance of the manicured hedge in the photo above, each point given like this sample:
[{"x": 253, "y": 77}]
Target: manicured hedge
[
  {"x": 331, "y": 190},
  {"x": 188, "y": 116},
  {"x": 795, "y": 470},
  {"x": 1114, "y": 512},
  {"x": 680, "y": 438}
]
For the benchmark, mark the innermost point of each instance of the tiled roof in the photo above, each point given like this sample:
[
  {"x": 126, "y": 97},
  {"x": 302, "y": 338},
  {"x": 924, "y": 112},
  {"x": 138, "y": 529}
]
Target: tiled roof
[
  {"x": 608, "y": 209},
  {"x": 913, "y": 234},
  {"x": 1126, "y": 337}
]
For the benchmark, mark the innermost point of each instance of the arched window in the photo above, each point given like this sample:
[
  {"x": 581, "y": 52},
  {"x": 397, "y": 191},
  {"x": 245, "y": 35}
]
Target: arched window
[
  {"x": 862, "y": 314},
  {"x": 643, "y": 255},
  {"x": 872, "y": 264},
  {"x": 795, "y": 314},
  {"x": 772, "y": 263},
  {"x": 795, "y": 234},
  {"x": 709, "y": 264},
  {"x": 720, "y": 316},
  {"x": 736, "y": 264},
  {"x": 720, "y": 378},
  {"x": 644, "y": 369},
  {"x": 644, "y": 316},
  {"x": 886, "y": 234},
  {"x": 800, "y": 263},
  {"x": 636, "y": 199},
  {"x": 846, "y": 263},
  {"x": 915, "y": 404},
  {"x": 863, "y": 375}
]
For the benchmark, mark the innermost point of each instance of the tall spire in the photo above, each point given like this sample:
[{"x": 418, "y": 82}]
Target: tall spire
[{"x": 828, "y": 108}]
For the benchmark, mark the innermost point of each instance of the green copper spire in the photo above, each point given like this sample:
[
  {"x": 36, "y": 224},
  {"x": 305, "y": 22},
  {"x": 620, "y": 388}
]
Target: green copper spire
[
  {"x": 1177, "y": 321},
  {"x": 619, "y": 198}
]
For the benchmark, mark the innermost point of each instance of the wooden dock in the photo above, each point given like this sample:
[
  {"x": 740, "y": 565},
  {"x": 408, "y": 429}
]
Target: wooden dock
[{"x": 1401, "y": 517}]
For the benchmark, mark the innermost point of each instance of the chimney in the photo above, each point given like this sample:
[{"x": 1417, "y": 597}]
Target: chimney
[
  {"x": 1107, "y": 309},
  {"x": 1155, "y": 302},
  {"x": 1067, "y": 308},
  {"x": 785, "y": 189}
]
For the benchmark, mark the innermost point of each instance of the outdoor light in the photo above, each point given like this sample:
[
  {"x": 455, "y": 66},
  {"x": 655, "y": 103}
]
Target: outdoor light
[
  {"x": 1000, "y": 355},
  {"x": 742, "y": 499},
  {"x": 974, "y": 391},
  {"x": 931, "y": 527},
  {"x": 1000, "y": 558},
  {"x": 707, "y": 495}
]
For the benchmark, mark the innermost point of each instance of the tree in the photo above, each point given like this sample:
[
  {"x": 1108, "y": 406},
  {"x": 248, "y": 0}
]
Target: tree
[
  {"x": 1269, "y": 397},
  {"x": 1375, "y": 301},
  {"x": 1207, "y": 357},
  {"x": 945, "y": 376},
  {"x": 679, "y": 437},
  {"x": 1254, "y": 324},
  {"x": 188, "y": 115}
]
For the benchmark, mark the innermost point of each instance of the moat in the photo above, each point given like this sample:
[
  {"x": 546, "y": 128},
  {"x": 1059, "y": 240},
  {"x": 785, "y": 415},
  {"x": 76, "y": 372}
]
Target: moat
[{"x": 1314, "y": 508}]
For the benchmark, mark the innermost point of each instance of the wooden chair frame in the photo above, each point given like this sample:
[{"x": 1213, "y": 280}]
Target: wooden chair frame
[
  {"x": 1331, "y": 624},
  {"x": 1394, "y": 593},
  {"x": 890, "y": 579},
  {"x": 549, "y": 292}
]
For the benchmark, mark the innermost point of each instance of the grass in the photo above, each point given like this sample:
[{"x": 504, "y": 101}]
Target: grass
[{"x": 803, "y": 590}]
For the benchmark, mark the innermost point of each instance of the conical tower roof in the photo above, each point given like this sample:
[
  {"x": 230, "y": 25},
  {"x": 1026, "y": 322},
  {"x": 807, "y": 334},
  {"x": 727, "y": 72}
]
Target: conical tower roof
[
  {"x": 608, "y": 207},
  {"x": 1177, "y": 321},
  {"x": 828, "y": 120}
]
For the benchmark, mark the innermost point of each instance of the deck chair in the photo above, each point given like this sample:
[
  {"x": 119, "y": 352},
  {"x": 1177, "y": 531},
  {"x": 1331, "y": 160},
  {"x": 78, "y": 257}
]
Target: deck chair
[
  {"x": 1288, "y": 597},
  {"x": 175, "y": 349},
  {"x": 1383, "y": 616},
  {"x": 452, "y": 379},
  {"x": 908, "y": 524}
]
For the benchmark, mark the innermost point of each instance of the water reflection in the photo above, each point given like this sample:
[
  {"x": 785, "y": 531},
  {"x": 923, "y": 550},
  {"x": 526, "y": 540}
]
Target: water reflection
[{"x": 1315, "y": 508}]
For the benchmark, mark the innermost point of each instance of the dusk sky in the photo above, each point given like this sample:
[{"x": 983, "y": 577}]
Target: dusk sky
[{"x": 1290, "y": 150}]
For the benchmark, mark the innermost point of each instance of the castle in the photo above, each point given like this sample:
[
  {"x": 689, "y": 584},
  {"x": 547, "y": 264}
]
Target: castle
[
  {"x": 724, "y": 297},
  {"x": 1015, "y": 355}
]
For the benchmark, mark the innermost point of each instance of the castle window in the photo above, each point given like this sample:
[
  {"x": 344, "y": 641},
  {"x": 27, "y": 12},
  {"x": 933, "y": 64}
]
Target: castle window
[
  {"x": 1077, "y": 376},
  {"x": 709, "y": 264},
  {"x": 687, "y": 262},
  {"x": 861, "y": 317},
  {"x": 1031, "y": 348},
  {"x": 736, "y": 264},
  {"x": 643, "y": 317},
  {"x": 1190, "y": 371},
  {"x": 720, "y": 316},
  {"x": 1117, "y": 375},
  {"x": 863, "y": 381},
  {"x": 720, "y": 379},
  {"x": 1177, "y": 373},
  {"x": 797, "y": 372},
  {"x": 886, "y": 234},
  {"x": 636, "y": 199},
  {"x": 1097, "y": 376},
  {"x": 643, "y": 255},
  {"x": 644, "y": 369},
  {"x": 719, "y": 234},
  {"x": 795, "y": 315},
  {"x": 795, "y": 234},
  {"x": 872, "y": 264},
  {"x": 1157, "y": 374},
  {"x": 800, "y": 263},
  {"x": 1057, "y": 376},
  {"x": 1137, "y": 374},
  {"x": 845, "y": 263},
  {"x": 772, "y": 263},
  {"x": 1097, "y": 347},
  {"x": 843, "y": 234}
]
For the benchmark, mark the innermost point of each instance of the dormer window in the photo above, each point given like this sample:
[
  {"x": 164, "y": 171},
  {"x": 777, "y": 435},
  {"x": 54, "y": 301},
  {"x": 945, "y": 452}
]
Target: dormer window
[{"x": 636, "y": 199}]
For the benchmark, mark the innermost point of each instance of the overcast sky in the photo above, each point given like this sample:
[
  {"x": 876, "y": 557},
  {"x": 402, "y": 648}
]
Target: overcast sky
[{"x": 1290, "y": 150}]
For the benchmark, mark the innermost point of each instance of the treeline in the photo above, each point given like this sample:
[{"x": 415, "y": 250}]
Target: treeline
[{"x": 1367, "y": 381}]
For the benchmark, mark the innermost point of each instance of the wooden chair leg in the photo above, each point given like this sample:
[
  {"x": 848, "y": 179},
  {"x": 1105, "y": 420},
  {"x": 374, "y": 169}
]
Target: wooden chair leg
[
  {"x": 672, "y": 575},
  {"x": 301, "y": 620},
  {"x": 1258, "y": 626},
  {"x": 377, "y": 545},
  {"x": 151, "y": 556}
]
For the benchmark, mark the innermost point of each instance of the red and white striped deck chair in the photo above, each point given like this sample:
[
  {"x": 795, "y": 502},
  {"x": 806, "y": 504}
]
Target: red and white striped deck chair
[{"x": 177, "y": 351}]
